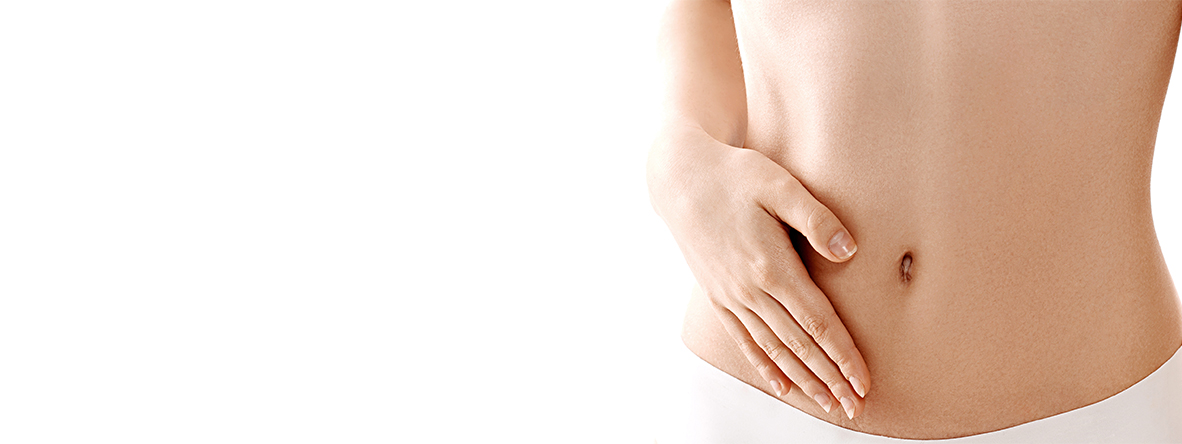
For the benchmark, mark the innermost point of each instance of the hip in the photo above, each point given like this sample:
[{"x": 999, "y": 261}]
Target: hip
[
  {"x": 959, "y": 374},
  {"x": 714, "y": 407}
]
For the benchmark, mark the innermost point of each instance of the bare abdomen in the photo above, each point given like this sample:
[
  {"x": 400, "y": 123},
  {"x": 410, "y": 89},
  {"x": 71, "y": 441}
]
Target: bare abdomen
[{"x": 992, "y": 161}]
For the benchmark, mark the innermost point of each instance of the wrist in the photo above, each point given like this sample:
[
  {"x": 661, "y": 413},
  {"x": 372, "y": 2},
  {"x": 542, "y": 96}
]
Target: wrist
[
  {"x": 683, "y": 157},
  {"x": 683, "y": 124}
]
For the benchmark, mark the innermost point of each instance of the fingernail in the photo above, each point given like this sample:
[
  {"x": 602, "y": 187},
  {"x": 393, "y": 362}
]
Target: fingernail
[
  {"x": 858, "y": 387},
  {"x": 823, "y": 401},
  {"x": 779, "y": 389},
  {"x": 848, "y": 404},
  {"x": 842, "y": 245}
]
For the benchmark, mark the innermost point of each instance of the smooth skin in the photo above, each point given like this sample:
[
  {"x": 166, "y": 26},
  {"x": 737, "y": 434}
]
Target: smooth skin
[
  {"x": 728, "y": 223},
  {"x": 988, "y": 162},
  {"x": 725, "y": 206}
]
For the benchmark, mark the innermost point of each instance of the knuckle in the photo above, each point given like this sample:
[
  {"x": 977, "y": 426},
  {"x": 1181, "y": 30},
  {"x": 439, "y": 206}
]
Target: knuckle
[
  {"x": 772, "y": 279},
  {"x": 756, "y": 355},
  {"x": 745, "y": 298},
  {"x": 816, "y": 217},
  {"x": 817, "y": 327},
  {"x": 749, "y": 348},
  {"x": 781, "y": 187},
  {"x": 796, "y": 276},
  {"x": 798, "y": 347},
  {"x": 774, "y": 350},
  {"x": 765, "y": 271},
  {"x": 781, "y": 183},
  {"x": 764, "y": 367}
]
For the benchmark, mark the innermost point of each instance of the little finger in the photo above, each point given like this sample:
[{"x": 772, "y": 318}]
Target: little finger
[{"x": 787, "y": 361}]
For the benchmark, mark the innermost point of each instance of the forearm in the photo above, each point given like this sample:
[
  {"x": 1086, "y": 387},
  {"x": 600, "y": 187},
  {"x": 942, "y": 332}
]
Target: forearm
[{"x": 703, "y": 73}]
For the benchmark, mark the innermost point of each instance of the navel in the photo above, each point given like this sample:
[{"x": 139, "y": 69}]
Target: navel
[{"x": 905, "y": 268}]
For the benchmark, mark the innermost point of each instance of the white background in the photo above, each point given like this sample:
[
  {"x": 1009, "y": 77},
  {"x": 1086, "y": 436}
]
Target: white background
[{"x": 249, "y": 221}]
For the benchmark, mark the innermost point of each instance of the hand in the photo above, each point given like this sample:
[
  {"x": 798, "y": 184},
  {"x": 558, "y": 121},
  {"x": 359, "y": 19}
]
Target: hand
[{"x": 724, "y": 206}]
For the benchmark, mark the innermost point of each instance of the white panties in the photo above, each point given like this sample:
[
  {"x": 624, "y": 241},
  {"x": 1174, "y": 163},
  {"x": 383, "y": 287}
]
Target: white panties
[{"x": 714, "y": 407}]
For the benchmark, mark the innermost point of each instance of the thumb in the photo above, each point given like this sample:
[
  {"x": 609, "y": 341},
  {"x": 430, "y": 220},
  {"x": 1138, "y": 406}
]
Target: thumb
[{"x": 788, "y": 200}]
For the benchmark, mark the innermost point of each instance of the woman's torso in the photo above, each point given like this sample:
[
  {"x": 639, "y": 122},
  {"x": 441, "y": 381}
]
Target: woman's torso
[{"x": 1006, "y": 147}]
